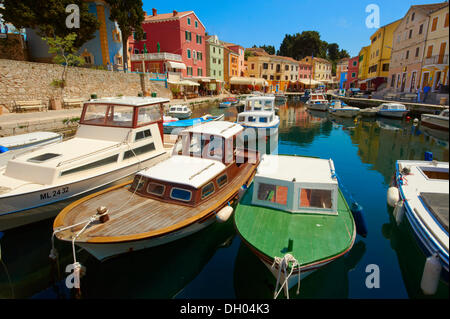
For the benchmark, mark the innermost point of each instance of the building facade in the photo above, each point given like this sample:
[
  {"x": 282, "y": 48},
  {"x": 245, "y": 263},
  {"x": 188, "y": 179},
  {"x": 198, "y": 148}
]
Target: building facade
[
  {"x": 214, "y": 58},
  {"x": 241, "y": 59},
  {"x": 341, "y": 67},
  {"x": 352, "y": 73},
  {"x": 231, "y": 65},
  {"x": 304, "y": 71},
  {"x": 363, "y": 67},
  {"x": 408, "y": 48},
  {"x": 321, "y": 69},
  {"x": 435, "y": 60}
]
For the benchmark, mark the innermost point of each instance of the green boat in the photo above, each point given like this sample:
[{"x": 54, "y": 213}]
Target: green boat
[{"x": 294, "y": 218}]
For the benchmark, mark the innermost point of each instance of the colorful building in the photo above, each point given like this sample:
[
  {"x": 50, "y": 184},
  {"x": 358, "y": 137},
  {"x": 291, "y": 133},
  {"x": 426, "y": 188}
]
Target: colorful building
[
  {"x": 380, "y": 55},
  {"x": 169, "y": 36},
  {"x": 304, "y": 70},
  {"x": 435, "y": 62},
  {"x": 241, "y": 60},
  {"x": 363, "y": 67},
  {"x": 321, "y": 69},
  {"x": 104, "y": 50},
  {"x": 341, "y": 67},
  {"x": 408, "y": 47},
  {"x": 214, "y": 58},
  {"x": 231, "y": 65},
  {"x": 352, "y": 73}
]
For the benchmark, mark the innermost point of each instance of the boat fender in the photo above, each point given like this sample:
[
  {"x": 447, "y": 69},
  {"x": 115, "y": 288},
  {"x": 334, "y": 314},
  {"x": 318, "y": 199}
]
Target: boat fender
[
  {"x": 3, "y": 149},
  {"x": 357, "y": 212},
  {"x": 393, "y": 196},
  {"x": 431, "y": 275},
  {"x": 224, "y": 214},
  {"x": 399, "y": 211}
]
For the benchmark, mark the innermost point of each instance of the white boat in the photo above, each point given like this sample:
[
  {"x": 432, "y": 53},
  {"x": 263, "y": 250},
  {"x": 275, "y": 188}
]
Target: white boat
[
  {"x": 259, "y": 115},
  {"x": 317, "y": 101},
  {"x": 395, "y": 110},
  {"x": 116, "y": 138},
  {"x": 15, "y": 145},
  {"x": 421, "y": 192},
  {"x": 169, "y": 201},
  {"x": 439, "y": 122},
  {"x": 340, "y": 109},
  {"x": 180, "y": 111}
]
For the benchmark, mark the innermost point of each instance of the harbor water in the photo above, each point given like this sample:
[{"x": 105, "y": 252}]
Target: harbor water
[{"x": 214, "y": 263}]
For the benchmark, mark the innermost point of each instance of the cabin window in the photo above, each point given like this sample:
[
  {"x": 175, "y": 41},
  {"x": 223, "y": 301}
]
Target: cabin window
[
  {"x": 108, "y": 115},
  {"x": 241, "y": 118},
  {"x": 222, "y": 180},
  {"x": 156, "y": 189},
  {"x": 208, "y": 190},
  {"x": 315, "y": 198},
  {"x": 138, "y": 183},
  {"x": 103, "y": 162},
  {"x": 263, "y": 119},
  {"x": 142, "y": 135},
  {"x": 273, "y": 193},
  {"x": 181, "y": 194},
  {"x": 148, "y": 114},
  {"x": 139, "y": 151},
  {"x": 252, "y": 119},
  {"x": 43, "y": 158}
]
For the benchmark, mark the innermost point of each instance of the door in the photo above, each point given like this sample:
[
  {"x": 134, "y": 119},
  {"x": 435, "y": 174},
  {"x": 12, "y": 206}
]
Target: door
[
  {"x": 442, "y": 52},
  {"x": 403, "y": 82},
  {"x": 413, "y": 82},
  {"x": 437, "y": 80}
]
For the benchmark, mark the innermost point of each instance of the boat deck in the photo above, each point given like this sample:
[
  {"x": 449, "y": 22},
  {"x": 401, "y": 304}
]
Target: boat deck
[
  {"x": 437, "y": 204},
  {"x": 315, "y": 237},
  {"x": 140, "y": 217}
]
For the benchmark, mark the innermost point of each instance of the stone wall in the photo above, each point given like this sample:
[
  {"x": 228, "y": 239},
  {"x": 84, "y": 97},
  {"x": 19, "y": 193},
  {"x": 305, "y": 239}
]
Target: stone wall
[{"x": 22, "y": 81}]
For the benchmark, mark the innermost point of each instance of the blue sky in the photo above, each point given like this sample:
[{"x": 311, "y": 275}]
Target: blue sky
[{"x": 267, "y": 21}]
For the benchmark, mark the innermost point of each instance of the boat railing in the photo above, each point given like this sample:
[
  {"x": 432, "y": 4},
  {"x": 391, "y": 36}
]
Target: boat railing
[{"x": 89, "y": 154}]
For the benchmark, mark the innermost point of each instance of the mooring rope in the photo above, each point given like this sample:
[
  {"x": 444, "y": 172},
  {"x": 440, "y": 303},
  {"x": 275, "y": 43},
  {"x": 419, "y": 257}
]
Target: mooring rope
[{"x": 283, "y": 265}]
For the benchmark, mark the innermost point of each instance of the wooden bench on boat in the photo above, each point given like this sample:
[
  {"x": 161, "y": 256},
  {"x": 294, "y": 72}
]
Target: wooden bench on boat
[
  {"x": 72, "y": 103},
  {"x": 21, "y": 106}
]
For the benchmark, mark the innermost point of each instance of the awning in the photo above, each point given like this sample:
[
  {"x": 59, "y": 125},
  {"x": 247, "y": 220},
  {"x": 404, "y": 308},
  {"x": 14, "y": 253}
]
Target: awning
[
  {"x": 188, "y": 83},
  {"x": 176, "y": 65},
  {"x": 309, "y": 82},
  {"x": 242, "y": 80},
  {"x": 201, "y": 79},
  {"x": 367, "y": 80},
  {"x": 261, "y": 82}
]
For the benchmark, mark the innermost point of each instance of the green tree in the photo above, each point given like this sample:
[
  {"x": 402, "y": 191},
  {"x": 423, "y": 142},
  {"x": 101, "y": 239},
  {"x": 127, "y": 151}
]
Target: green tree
[
  {"x": 303, "y": 44},
  {"x": 48, "y": 18},
  {"x": 129, "y": 15},
  {"x": 65, "y": 54},
  {"x": 270, "y": 49}
]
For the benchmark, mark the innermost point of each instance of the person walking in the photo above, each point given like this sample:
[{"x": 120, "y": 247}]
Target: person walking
[{"x": 426, "y": 89}]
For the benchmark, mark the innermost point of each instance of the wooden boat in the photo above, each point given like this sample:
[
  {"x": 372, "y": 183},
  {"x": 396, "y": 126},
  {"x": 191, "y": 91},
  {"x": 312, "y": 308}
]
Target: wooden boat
[
  {"x": 259, "y": 114},
  {"x": 294, "y": 216},
  {"x": 116, "y": 138},
  {"x": 437, "y": 122},
  {"x": 341, "y": 109},
  {"x": 183, "y": 124},
  {"x": 180, "y": 111},
  {"x": 393, "y": 110},
  {"x": 318, "y": 102},
  {"x": 421, "y": 192},
  {"x": 169, "y": 201},
  {"x": 18, "y": 144}
]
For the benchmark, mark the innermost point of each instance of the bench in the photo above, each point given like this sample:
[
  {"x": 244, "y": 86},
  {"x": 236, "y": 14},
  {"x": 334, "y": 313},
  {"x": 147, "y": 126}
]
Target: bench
[
  {"x": 69, "y": 103},
  {"x": 21, "y": 106},
  {"x": 409, "y": 97}
]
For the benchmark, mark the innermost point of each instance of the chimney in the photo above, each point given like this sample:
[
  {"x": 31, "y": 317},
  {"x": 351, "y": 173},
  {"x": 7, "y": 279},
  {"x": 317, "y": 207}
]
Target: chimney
[
  {"x": 154, "y": 12},
  {"x": 175, "y": 13}
]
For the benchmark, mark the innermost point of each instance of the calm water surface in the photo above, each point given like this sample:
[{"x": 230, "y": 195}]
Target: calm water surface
[{"x": 215, "y": 264}]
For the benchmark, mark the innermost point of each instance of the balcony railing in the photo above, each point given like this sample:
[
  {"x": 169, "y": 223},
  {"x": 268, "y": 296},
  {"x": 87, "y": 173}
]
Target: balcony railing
[
  {"x": 436, "y": 59},
  {"x": 160, "y": 56}
]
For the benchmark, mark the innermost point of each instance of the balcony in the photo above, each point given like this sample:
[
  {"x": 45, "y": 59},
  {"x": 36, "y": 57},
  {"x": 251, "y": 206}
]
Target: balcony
[
  {"x": 436, "y": 60},
  {"x": 160, "y": 56}
]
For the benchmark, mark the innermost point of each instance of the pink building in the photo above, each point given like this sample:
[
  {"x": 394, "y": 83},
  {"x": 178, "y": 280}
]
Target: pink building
[
  {"x": 304, "y": 70},
  {"x": 352, "y": 73},
  {"x": 174, "y": 42},
  {"x": 241, "y": 60}
]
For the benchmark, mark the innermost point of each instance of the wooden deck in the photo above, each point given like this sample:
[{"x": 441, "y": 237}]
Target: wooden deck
[{"x": 140, "y": 217}]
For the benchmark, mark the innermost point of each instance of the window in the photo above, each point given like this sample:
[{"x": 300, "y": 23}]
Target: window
[
  {"x": 43, "y": 158},
  {"x": 199, "y": 72},
  {"x": 407, "y": 55},
  {"x": 421, "y": 29},
  {"x": 273, "y": 193},
  {"x": 188, "y": 53},
  {"x": 188, "y": 35},
  {"x": 196, "y": 23},
  {"x": 189, "y": 21},
  {"x": 315, "y": 198},
  {"x": 156, "y": 189},
  {"x": 139, "y": 151},
  {"x": 410, "y": 33},
  {"x": 148, "y": 114},
  {"x": 417, "y": 52},
  {"x": 181, "y": 194},
  {"x": 103, "y": 162},
  {"x": 136, "y": 51},
  {"x": 263, "y": 119},
  {"x": 392, "y": 80},
  {"x": 142, "y": 135},
  {"x": 354, "y": 63},
  {"x": 222, "y": 180},
  {"x": 434, "y": 25},
  {"x": 138, "y": 183},
  {"x": 429, "y": 51},
  {"x": 353, "y": 75},
  {"x": 145, "y": 36},
  {"x": 265, "y": 66},
  {"x": 386, "y": 67},
  {"x": 412, "y": 16},
  {"x": 253, "y": 66},
  {"x": 446, "y": 21},
  {"x": 207, "y": 190},
  {"x": 252, "y": 119}
]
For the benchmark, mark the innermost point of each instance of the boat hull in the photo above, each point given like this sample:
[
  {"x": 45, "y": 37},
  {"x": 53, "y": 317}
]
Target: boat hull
[
  {"x": 343, "y": 113},
  {"x": 181, "y": 116},
  {"x": 318, "y": 107},
  {"x": 393, "y": 114},
  {"x": 23, "y": 209},
  {"x": 435, "y": 122}
]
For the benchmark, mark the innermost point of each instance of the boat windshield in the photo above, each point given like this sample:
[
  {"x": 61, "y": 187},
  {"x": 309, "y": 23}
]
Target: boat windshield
[{"x": 200, "y": 145}]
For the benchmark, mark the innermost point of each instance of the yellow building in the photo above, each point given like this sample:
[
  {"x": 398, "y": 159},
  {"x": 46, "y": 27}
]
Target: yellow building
[
  {"x": 321, "y": 69},
  {"x": 380, "y": 55},
  {"x": 363, "y": 64},
  {"x": 435, "y": 60}
]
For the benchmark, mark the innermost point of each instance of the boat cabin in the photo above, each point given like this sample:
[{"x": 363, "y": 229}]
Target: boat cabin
[
  {"x": 260, "y": 103},
  {"x": 205, "y": 160},
  {"x": 317, "y": 97},
  {"x": 256, "y": 117},
  {"x": 296, "y": 185},
  {"x": 179, "y": 109},
  {"x": 393, "y": 107}
]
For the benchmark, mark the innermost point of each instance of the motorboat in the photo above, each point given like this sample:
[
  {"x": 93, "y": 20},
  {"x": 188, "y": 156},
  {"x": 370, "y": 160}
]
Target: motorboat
[
  {"x": 169, "y": 201},
  {"x": 180, "y": 125},
  {"x": 11, "y": 146},
  {"x": 341, "y": 109},
  {"x": 294, "y": 217},
  {"x": 394, "y": 110},
  {"x": 180, "y": 111},
  {"x": 116, "y": 138},
  {"x": 439, "y": 122},
  {"x": 318, "y": 102}
]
